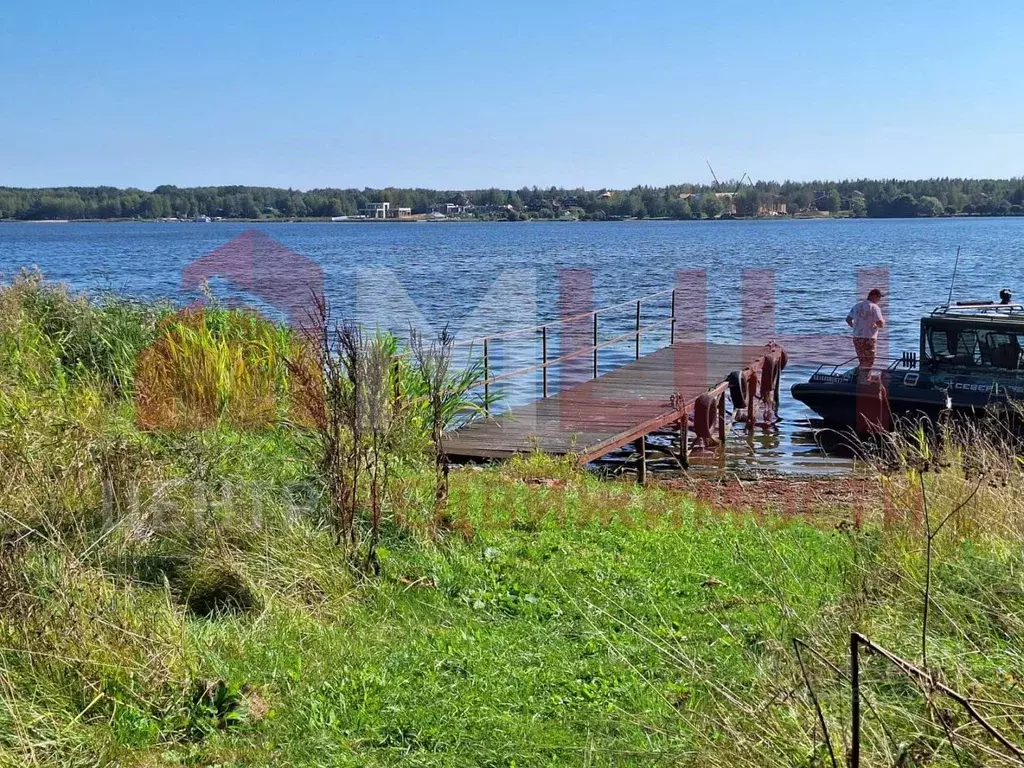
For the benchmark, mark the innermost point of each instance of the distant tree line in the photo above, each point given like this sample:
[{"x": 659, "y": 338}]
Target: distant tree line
[{"x": 862, "y": 197}]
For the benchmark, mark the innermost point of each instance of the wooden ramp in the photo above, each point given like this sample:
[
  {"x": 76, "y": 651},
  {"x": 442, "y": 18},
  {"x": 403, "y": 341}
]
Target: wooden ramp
[{"x": 597, "y": 416}]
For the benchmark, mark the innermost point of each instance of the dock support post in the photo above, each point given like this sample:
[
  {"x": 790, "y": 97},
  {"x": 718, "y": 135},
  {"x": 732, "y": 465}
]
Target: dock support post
[
  {"x": 684, "y": 440},
  {"x": 487, "y": 381},
  {"x": 721, "y": 420},
  {"x": 595, "y": 345},
  {"x": 637, "y": 355},
  {"x": 641, "y": 467},
  {"x": 672, "y": 325},
  {"x": 751, "y": 394},
  {"x": 721, "y": 429},
  {"x": 544, "y": 358}
]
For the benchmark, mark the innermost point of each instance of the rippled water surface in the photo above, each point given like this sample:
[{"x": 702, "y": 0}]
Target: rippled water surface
[{"x": 486, "y": 278}]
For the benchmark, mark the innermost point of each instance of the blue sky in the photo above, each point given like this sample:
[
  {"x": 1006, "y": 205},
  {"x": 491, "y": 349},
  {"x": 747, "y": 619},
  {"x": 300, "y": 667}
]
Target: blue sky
[{"x": 312, "y": 94}]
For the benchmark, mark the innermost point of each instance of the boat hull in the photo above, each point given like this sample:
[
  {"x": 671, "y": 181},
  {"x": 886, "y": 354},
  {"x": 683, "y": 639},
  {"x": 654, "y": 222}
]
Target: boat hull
[{"x": 864, "y": 406}]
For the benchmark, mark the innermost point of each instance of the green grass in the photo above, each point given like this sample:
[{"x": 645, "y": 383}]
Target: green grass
[
  {"x": 177, "y": 598},
  {"x": 527, "y": 646}
]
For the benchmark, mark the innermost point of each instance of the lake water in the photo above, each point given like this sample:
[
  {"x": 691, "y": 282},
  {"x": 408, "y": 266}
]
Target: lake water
[{"x": 489, "y": 277}]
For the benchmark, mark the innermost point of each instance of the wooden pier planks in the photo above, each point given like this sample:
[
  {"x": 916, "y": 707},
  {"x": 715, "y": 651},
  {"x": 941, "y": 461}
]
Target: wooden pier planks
[{"x": 596, "y": 416}]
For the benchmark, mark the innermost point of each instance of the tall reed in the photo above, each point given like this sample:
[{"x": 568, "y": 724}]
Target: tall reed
[{"x": 207, "y": 367}]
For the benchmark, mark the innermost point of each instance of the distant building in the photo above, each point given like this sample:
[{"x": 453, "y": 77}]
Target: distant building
[
  {"x": 606, "y": 194},
  {"x": 450, "y": 209},
  {"x": 404, "y": 213},
  {"x": 376, "y": 210},
  {"x": 772, "y": 207}
]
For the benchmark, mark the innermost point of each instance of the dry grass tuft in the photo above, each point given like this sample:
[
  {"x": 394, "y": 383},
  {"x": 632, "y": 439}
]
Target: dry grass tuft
[{"x": 203, "y": 370}]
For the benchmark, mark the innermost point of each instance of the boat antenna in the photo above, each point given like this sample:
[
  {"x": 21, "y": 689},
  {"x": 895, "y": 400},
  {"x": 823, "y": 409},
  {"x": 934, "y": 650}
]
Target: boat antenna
[{"x": 952, "y": 282}]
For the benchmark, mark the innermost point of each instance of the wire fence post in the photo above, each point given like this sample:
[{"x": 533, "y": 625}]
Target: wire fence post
[
  {"x": 544, "y": 359},
  {"x": 487, "y": 380},
  {"x": 595, "y": 345}
]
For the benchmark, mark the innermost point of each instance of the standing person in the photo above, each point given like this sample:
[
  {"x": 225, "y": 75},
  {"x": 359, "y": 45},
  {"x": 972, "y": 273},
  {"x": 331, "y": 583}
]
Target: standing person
[{"x": 866, "y": 318}]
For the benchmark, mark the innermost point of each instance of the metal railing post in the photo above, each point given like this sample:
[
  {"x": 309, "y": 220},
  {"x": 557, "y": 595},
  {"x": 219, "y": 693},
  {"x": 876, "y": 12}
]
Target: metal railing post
[
  {"x": 672, "y": 325},
  {"x": 487, "y": 380},
  {"x": 544, "y": 358},
  {"x": 637, "y": 356},
  {"x": 595, "y": 345}
]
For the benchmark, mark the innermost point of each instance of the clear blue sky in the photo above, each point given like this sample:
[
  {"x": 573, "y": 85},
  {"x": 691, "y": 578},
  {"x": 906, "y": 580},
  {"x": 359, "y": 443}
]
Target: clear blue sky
[{"x": 453, "y": 95}]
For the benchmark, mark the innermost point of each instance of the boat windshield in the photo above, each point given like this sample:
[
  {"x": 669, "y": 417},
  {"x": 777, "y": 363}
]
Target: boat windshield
[{"x": 976, "y": 348}]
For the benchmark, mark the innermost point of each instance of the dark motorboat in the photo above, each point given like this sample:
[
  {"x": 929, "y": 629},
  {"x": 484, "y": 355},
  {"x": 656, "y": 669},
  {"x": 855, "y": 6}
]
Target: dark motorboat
[{"x": 970, "y": 363}]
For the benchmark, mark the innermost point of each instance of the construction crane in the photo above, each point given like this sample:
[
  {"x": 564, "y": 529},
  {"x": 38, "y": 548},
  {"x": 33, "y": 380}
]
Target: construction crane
[
  {"x": 739, "y": 184},
  {"x": 717, "y": 183}
]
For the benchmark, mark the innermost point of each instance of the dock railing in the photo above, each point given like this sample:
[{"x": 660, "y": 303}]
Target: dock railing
[{"x": 597, "y": 344}]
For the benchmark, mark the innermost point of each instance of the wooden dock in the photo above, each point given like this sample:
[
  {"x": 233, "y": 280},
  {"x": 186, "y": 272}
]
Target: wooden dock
[{"x": 591, "y": 418}]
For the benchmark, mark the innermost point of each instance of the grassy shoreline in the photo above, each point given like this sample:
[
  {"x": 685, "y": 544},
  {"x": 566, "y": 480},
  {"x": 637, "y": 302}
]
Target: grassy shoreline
[{"x": 174, "y": 595}]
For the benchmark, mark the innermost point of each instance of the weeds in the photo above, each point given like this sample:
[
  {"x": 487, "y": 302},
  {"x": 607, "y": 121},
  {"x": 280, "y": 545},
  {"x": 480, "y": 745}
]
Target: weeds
[
  {"x": 446, "y": 401},
  {"x": 98, "y": 338},
  {"x": 203, "y": 369},
  {"x": 326, "y": 397}
]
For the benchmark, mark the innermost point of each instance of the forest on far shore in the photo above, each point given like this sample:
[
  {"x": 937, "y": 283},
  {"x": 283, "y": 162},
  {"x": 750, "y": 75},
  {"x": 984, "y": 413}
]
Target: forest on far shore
[{"x": 891, "y": 198}]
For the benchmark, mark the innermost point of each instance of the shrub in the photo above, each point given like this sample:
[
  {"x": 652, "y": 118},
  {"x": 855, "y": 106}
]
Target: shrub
[{"x": 101, "y": 337}]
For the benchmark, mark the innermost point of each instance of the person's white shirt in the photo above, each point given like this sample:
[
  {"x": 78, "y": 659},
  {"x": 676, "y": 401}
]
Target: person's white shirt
[{"x": 866, "y": 319}]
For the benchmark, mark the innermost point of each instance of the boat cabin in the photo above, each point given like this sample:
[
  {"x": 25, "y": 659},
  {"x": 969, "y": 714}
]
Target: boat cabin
[{"x": 977, "y": 336}]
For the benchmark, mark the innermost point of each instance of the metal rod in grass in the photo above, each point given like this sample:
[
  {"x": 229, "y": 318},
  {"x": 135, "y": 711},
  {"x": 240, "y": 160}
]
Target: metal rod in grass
[
  {"x": 817, "y": 706},
  {"x": 949, "y": 734},
  {"x": 842, "y": 673},
  {"x": 923, "y": 675},
  {"x": 929, "y": 539}
]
